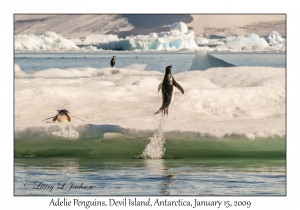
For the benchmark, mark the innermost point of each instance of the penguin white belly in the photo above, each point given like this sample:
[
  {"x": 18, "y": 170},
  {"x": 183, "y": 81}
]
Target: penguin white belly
[
  {"x": 62, "y": 118},
  {"x": 173, "y": 94},
  {"x": 172, "y": 98}
]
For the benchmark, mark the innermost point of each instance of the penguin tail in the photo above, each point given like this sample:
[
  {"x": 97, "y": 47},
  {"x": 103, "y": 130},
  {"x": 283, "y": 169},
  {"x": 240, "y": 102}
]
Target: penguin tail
[
  {"x": 158, "y": 111},
  {"x": 163, "y": 109}
]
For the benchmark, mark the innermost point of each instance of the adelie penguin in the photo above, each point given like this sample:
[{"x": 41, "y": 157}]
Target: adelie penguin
[
  {"x": 168, "y": 91},
  {"x": 63, "y": 115},
  {"x": 113, "y": 61}
]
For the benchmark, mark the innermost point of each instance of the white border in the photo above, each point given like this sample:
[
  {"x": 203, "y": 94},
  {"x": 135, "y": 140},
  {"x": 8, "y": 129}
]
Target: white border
[{"x": 154, "y": 6}]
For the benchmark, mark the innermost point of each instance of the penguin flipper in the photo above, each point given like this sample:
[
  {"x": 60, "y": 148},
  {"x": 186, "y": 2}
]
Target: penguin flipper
[
  {"x": 78, "y": 118},
  {"x": 55, "y": 118},
  {"x": 159, "y": 86},
  {"x": 47, "y": 118},
  {"x": 178, "y": 86},
  {"x": 68, "y": 117}
]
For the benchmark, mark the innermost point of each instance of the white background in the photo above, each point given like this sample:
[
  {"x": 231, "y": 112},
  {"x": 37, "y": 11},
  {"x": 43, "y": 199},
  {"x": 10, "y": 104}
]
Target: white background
[{"x": 8, "y": 8}]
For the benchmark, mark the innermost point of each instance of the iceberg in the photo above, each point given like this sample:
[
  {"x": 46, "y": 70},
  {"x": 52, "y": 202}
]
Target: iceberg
[
  {"x": 276, "y": 42},
  {"x": 275, "y": 38},
  {"x": 47, "y": 42},
  {"x": 203, "y": 61},
  {"x": 98, "y": 38},
  {"x": 180, "y": 26},
  {"x": 170, "y": 42},
  {"x": 248, "y": 41},
  {"x": 176, "y": 39},
  {"x": 153, "y": 35},
  {"x": 202, "y": 41}
]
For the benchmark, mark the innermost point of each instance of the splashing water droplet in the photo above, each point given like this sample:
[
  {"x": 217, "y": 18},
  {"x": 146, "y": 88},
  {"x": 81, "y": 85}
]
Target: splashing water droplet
[{"x": 155, "y": 149}]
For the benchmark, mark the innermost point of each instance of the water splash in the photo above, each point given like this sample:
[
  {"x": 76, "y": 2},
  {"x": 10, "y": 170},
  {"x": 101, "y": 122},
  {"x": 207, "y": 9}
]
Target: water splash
[{"x": 155, "y": 149}]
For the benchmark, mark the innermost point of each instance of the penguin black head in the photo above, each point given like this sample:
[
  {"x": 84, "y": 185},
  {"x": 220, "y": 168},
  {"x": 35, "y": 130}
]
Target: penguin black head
[
  {"x": 114, "y": 57},
  {"x": 168, "y": 69},
  {"x": 63, "y": 111}
]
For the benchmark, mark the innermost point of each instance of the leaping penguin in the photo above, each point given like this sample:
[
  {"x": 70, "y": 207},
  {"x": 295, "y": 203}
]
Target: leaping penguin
[
  {"x": 113, "y": 61},
  {"x": 63, "y": 115},
  {"x": 167, "y": 90}
]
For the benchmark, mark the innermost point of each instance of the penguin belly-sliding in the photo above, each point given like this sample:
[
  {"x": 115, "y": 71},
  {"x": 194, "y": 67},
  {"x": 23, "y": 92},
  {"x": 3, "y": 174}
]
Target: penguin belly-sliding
[
  {"x": 63, "y": 118},
  {"x": 62, "y": 115},
  {"x": 167, "y": 90}
]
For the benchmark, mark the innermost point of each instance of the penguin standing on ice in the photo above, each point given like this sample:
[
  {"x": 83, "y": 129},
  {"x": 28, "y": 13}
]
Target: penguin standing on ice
[
  {"x": 113, "y": 61},
  {"x": 63, "y": 115},
  {"x": 167, "y": 86}
]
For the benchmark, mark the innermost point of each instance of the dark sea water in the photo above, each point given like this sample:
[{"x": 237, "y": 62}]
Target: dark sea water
[
  {"x": 31, "y": 62},
  {"x": 202, "y": 166},
  {"x": 187, "y": 176}
]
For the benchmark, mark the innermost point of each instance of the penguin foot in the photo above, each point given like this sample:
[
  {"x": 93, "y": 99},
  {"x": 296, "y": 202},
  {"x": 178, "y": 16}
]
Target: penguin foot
[{"x": 166, "y": 111}]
